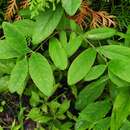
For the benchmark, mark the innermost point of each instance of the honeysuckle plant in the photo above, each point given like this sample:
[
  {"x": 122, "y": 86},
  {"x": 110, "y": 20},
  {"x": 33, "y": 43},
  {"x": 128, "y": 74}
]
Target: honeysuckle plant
[{"x": 56, "y": 75}]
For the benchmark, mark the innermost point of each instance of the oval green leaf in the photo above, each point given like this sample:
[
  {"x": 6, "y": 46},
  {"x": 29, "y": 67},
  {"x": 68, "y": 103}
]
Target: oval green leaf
[
  {"x": 81, "y": 66},
  {"x": 90, "y": 93},
  {"x": 120, "y": 68},
  {"x": 46, "y": 23},
  {"x": 115, "y": 51},
  {"x": 100, "y": 33},
  {"x": 74, "y": 43},
  {"x": 95, "y": 72},
  {"x": 58, "y": 54},
  {"x": 71, "y": 6},
  {"x": 41, "y": 73},
  {"x": 117, "y": 81},
  {"x": 18, "y": 76}
]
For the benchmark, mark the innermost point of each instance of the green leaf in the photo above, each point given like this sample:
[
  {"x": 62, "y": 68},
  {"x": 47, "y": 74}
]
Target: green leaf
[
  {"x": 86, "y": 60},
  {"x": 4, "y": 83},
  {"x": 102, "y": 124},
  {"x": 18, "y": 76},
  {"x": 41, "y": 73},
  {"x": 91, "y": 114},
  {"x": 15, "y": 43},
  {"x": 120, "y": 68},
  {"x": 66, "y": 126},
  {"x": 115, "y": 51},
  {"x": 7, "y": 50},
  {"x": 63, "y": 107},
  {"x": 35, "y": 99},
  {"x": 100, "y": 33},
  {"x": 25, "y": 26},
  {"x": 127, "y": 37},
  {"x": 126, "y": 125},
  {"x": 63, "y": 39},
  {"x": 54, "y": 105},
  {"x": 58, "y": 54},
  {"x": 6, "y": 66},
  {"x": 74, "y": 43},
  {"x": 90, "y": 93},
  {"x": 46, "y": 23},
  {"x": 121, "y": 109},
  {"x": 117, "y": 81},
  {"x": 15, "y": 36},
  {"x": 95, "y": 72},
  {"x": 36, "y": 115},
  {"x": 71, "y": 6}
]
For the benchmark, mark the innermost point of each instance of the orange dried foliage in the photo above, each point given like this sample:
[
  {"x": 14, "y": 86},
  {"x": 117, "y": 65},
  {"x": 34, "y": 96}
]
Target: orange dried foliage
[
  {"x": 102, "y": 18},
  {"x": 24, "y": 4},
  {"x": 12, "y": 8},
  {"x": 17, "y": 17},
  {"x": 98, "y": 19}
]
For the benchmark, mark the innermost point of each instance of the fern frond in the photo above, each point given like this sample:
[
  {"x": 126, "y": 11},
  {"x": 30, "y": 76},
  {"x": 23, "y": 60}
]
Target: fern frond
[{"x": 11, "y": 10}]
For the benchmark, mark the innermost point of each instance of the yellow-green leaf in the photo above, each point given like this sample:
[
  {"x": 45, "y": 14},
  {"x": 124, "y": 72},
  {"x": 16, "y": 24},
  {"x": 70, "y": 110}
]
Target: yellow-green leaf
[
  {"x": 18, "y": 76},
  {"x": 81, "y": 66},
  {"x": 58, "y": 54},
  {"x": 41, "y": 73},
  {"x": 46, "y": 23}
]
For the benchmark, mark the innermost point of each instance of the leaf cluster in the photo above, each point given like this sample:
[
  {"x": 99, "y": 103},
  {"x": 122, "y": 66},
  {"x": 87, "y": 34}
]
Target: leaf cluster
[{"x": 55, "y": 76}]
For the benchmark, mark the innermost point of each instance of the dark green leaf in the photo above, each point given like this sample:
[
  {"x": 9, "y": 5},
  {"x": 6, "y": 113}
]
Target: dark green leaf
[
  {"x": 127, "y": 37},
  {"x": 4, "y": 83},
  {"x": 36, "y": 115},
  {"x": 64, "y": 107},
  {"x": 91, "y": 114},
  {"x": 90, "y": 93},
  {"x": 35, "y": 99},
  {"x": 6, "y": 65},
  {"x": 102, "y": 124},
  {"x": 126, "y": 125},
  {"x": 121, "y": 108}
]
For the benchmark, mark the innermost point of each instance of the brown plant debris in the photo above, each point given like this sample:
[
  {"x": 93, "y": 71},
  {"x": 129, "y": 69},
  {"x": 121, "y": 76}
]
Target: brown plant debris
[
  {"x": 98, "y": 18},
  {"x": 24, "y": 4},
  {"x": 102, "y": 18},
  {"x": 12, "y": 9}
]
